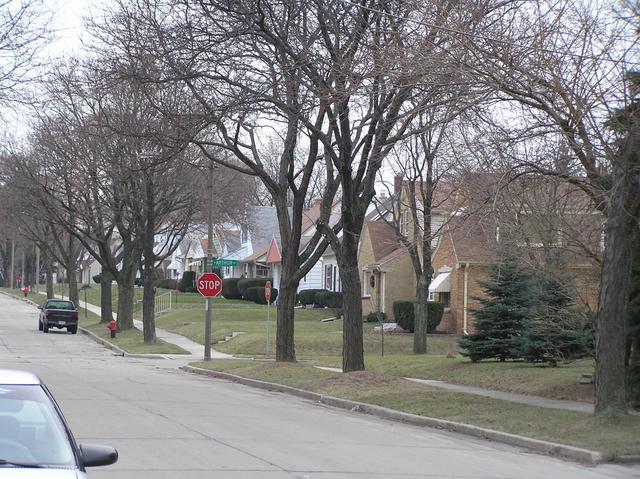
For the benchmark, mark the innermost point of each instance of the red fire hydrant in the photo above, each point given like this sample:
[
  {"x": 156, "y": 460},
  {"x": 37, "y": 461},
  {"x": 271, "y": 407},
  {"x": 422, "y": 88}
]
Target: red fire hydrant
[
  {"x": 112, "y": 327},
  {"x": 25, "y": 290}
]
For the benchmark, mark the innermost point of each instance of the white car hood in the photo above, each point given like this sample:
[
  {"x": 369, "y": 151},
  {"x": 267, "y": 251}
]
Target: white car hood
[{"x": 30, "y": 473}]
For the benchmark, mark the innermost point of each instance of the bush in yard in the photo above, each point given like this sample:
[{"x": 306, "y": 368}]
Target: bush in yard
[
  {"x": 328, "y": 299},
  {"x": 404, "y": 314},
  {"x": 256, "y": 294},
  {"x": 168, "y": 284},
  {"x": 373, "y": 316},
  {"x": 230, "y": 288},
  {"x": 307, "y": 296},
  {"x": 246, "y": 283},
  {"x": 188, "y": 282},
  {"x": 251, "y": 294},
  {"x": 97, "y": 279},
  {"x": 499, "y": 322}
]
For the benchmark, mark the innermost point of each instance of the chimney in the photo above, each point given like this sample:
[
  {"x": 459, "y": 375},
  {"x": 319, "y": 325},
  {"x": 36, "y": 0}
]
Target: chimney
[{"x": 397, "y": 183}]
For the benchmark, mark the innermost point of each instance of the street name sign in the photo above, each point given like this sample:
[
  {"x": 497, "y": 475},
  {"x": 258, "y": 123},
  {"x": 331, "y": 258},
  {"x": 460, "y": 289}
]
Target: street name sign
[
  {"x": 216, "y": 263},
  {"x": 209, "y": 285}
]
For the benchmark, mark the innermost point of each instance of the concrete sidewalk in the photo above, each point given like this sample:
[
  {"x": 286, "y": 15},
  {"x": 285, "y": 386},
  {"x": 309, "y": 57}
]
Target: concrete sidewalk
[
  {"x": 196, "y": 350},
  {"x": 538, "y": 401}
]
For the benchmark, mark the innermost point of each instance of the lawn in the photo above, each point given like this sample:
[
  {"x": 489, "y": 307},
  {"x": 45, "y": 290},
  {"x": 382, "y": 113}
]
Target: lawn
[
  {"x": 321, "y": 342},
  {"x": 610, "y": 435},
  {"x": 314, "y": 339},
  {"x": 131, "y": 341}
]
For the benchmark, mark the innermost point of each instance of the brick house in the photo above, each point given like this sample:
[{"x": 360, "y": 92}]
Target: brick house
[{"x": 541, "y": 216}]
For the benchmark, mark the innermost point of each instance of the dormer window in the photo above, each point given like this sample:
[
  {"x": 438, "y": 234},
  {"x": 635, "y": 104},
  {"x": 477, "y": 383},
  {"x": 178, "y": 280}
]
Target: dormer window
[{"x": 244, "y": 234}]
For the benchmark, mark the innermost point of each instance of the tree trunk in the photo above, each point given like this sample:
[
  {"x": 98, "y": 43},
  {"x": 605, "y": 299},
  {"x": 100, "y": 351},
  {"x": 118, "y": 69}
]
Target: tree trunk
[
  {"x": 106, "y": 308},
  {"x": 126, "y": 291},
  {"x": 421, "y": 313},
  {"x": 352, "y": 341},
  {"x": 149, "y": 305},
  {"x": 285, "y": 348},
  {"x": 48, "y": 268},
  {"x": 72, "y": 278},
  {"x": 622, "y": 234}
]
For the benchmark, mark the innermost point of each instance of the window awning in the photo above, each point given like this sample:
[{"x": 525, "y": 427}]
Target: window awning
[{"x": 440, "y": 284}]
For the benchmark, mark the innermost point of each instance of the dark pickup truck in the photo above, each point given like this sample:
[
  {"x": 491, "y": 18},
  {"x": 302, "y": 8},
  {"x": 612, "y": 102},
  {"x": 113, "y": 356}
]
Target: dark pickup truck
[{"x": 58, "y": 313}]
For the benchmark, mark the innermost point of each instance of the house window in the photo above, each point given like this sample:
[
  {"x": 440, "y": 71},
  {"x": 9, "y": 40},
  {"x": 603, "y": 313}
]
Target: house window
[
  {"x": 328, "y": 277},
  {"x": 262, "y": 271},
  {"x": 244, "y": 234},
  {"x": 445, "y": 299},
  {"x": 404, "y": 223},
  {"x": 366, "y": 287}
]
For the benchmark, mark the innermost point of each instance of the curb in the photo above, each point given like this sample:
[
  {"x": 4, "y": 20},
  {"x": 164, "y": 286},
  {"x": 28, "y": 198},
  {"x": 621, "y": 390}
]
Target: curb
[{"x": 543, "y": 447}]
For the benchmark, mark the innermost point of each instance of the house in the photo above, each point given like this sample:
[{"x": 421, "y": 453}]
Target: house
[
  {"x": 387, "y": 272},
  {"x": 542, "y": 216}
]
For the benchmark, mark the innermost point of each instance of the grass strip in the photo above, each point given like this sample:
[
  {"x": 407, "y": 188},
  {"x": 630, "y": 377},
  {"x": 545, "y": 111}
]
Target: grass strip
[{"x": 609, "y": 435}]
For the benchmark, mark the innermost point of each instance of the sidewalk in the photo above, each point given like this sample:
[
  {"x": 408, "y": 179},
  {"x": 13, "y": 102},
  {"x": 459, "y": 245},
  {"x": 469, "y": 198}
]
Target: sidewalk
[
  {"x": 196, "y": 350},
  {"x": 538, "y": 401}
]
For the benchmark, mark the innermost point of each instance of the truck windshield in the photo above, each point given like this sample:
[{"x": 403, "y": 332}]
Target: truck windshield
[{"x": 60, "y": 305}]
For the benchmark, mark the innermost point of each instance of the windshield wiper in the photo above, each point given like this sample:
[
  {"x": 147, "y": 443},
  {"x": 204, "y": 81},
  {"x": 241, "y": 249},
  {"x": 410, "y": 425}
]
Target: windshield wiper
[{"x": 4, "y": 462}]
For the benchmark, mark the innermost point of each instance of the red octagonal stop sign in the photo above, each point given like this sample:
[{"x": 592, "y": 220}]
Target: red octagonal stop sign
[{"x": 209, "y": 285}]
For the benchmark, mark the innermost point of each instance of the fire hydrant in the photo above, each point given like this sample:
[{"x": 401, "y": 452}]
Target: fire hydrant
[
  {"x": 25, "y": 290},
  {"x": 112, "y": 327}
]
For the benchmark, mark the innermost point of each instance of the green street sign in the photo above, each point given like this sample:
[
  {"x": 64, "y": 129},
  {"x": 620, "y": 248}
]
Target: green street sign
[{"x": 223, "y": 262}]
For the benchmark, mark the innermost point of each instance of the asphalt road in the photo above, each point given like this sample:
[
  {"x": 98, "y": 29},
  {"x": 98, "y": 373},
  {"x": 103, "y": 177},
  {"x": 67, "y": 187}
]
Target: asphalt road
[{"x": 168, "y": 424}]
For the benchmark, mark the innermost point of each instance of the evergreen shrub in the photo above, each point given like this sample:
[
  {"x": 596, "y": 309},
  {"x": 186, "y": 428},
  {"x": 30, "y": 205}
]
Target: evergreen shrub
[
  {"x": 230, "y": 288},
  {"x": 245, "y": 283},
  {"x": 328, "y": 299},
  {"x": 188, "y": 282},
  {"x": 307, "y": 296},
  {"x": 372, "y": 317},
  {"x": 256, "y": 294},
  {"x": 168, "y": 283},
  {"x": 404, "y": 315}
]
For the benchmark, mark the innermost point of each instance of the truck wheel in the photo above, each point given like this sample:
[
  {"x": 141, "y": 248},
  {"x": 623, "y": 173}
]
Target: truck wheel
[
  {"x": 72, "y": 329},
  {"x": 45, "y": 328},
  {"x": 39, "y": 325}
]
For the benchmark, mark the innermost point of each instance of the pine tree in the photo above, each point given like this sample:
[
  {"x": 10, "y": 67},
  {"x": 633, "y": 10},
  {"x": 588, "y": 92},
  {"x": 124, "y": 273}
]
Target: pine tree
[
  {"x": 499, "y": 321},
  {"x": 557, "y": 330}
]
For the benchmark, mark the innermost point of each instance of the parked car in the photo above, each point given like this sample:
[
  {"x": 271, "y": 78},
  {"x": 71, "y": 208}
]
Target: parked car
[
  {"x": 35, "y": 441},
  {"x": 58, "y": 313}
]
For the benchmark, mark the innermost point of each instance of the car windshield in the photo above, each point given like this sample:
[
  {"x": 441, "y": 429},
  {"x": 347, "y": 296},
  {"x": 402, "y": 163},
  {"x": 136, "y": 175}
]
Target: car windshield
[
  {"x": 60, "y": 305},
  {"x": 31, "y": 432}
]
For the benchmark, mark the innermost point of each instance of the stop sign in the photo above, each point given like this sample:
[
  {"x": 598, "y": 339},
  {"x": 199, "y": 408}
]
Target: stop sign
[{"x": 209, "y": 285}]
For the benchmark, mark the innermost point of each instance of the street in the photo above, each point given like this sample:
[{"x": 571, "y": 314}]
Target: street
[{"x": 169, "y": 424}]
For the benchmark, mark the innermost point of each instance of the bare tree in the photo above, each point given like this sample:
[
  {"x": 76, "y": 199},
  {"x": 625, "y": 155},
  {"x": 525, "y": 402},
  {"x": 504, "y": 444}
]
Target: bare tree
[{"x": 563, "y": 63}]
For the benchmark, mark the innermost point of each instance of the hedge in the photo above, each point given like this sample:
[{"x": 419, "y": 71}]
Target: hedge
[
  {"x": 245, "y": 283},
  {"x": 230, "y": 288},
  {"x": 188, "y": 282},
  {"x": 328, "y": 299},
  {"x": 372, "y": 317},
  {"x": 256, "y": 294},
  {"x": 403, "y": 312},
  {"x": 307, "y": 296},
  {"x": 168, "y": 284}
]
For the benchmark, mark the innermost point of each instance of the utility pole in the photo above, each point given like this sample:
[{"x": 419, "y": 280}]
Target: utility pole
[{"x": 208, "y": 268}]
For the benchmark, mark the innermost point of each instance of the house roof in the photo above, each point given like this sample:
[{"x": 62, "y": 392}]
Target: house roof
[
  {"x": 383, "y": 239},
  {"x": 474, "y": 240},
  {"x": 232, "y": 240}
]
